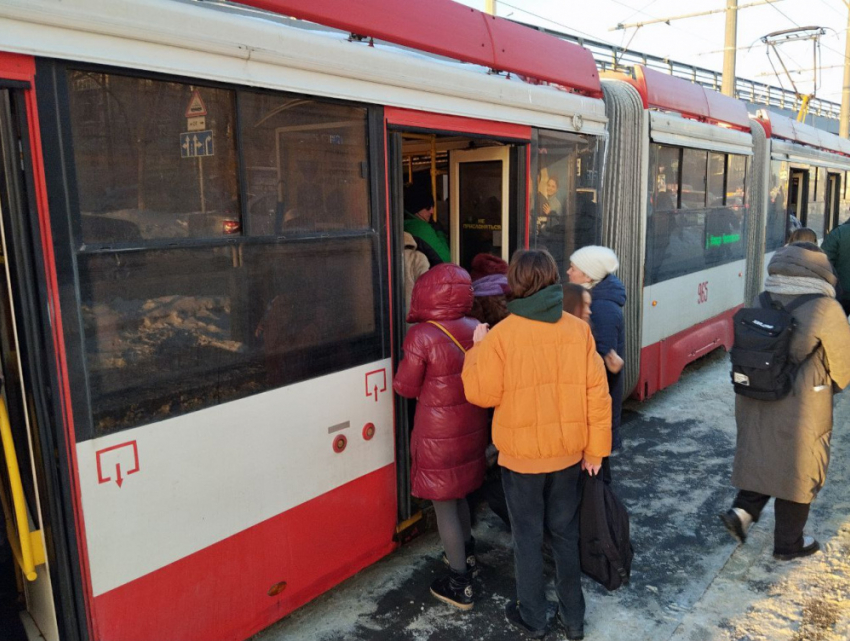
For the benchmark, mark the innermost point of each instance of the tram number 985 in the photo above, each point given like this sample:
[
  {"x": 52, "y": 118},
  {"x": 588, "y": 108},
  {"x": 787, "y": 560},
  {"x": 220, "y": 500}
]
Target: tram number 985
[{"x": 702, "y": 293}]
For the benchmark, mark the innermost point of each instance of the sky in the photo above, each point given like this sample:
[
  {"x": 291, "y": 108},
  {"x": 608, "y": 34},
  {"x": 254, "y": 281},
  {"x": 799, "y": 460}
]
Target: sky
[{"x": 700, "y": 40}]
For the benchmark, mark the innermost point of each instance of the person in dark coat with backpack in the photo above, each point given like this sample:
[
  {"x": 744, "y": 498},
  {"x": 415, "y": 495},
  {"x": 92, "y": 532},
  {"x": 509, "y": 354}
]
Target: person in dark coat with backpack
[
  {"x": 449, "y": 434},
  {"x": 593, "y": 268},
  {"x": 783, "y": 445}
]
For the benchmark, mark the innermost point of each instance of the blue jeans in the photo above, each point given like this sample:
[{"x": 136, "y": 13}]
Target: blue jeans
[{"x": 550, "y": 501}]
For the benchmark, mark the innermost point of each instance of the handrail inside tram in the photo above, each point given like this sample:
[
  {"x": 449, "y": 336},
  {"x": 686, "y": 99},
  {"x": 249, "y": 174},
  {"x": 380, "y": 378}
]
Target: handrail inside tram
[{"x": 27, "y": 545}]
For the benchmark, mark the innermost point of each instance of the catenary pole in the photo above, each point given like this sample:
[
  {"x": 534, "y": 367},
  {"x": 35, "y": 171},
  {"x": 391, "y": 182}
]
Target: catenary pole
[
  {"x": 490, "y": 7},
  {"x": 729, "y": 51}
]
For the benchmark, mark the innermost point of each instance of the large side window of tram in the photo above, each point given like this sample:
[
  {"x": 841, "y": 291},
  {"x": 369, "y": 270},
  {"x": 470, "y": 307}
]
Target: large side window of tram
[
  {"x": 696, "y": 211},
  {"x": 777, "y": 217},
  {"x": 208, "y": 317},
  {"x": 564, "y": 199},
  {"x": 143, "y": 171}
]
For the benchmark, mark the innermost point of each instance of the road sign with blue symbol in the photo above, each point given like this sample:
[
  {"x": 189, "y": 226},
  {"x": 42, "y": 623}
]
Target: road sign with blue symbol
[{"x": 196, "y": 144}]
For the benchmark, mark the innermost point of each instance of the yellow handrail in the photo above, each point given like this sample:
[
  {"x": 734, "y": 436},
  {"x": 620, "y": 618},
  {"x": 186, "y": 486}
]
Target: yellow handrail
[{"x": 28, "y": 548}]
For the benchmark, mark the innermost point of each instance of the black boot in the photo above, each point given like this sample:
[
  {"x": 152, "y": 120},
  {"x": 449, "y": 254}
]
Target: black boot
[
  {"x": 455, "y": 589},
  {"x": 471, "y": 561}
]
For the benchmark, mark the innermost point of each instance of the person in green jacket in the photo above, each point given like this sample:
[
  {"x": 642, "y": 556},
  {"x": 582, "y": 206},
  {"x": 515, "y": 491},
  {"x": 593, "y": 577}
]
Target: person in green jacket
[
  {"x": 418, "y": 211},
  {"x": 837, "y": 248}
]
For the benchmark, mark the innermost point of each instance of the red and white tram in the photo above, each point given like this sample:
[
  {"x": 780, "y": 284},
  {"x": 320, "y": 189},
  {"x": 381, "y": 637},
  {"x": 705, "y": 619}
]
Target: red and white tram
[{"x": 202, "y": 302}]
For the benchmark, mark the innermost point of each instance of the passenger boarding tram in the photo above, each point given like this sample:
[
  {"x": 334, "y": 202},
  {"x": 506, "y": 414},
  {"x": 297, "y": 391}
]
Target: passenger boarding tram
[{"x": 202, "y": 304}]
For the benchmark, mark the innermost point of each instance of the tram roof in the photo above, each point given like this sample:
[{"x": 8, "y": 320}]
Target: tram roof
[
  {"x": 449, "y": 29},
  {"x": 663, "y": 91},
  {"x": 779, "y": 126},
  {"x": 234, "y": 43}
]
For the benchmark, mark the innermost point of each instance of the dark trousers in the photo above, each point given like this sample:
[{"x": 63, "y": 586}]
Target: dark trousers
[
  {"x": 790, "y": 519},
  {"x": 550, "y": 501}
]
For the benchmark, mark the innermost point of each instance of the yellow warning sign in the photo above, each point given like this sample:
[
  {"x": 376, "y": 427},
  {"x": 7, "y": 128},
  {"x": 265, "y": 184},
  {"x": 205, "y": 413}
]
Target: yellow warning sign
[{"x": 196, "y": 106}]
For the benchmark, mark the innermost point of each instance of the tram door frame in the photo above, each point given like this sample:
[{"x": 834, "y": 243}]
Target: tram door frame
[
  {"x": 40, "y": 620},
  {"x": 798, "y": 187},
  {"x": 32, "y": 277},
  {"x": 833, "y": 201},
  {"x": 516, "y": 141}
]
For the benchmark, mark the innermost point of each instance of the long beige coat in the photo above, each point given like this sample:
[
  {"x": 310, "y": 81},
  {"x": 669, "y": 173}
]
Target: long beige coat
[{"x": 783, "y": 446}]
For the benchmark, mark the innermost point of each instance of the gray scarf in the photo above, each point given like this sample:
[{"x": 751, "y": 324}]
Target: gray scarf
[{"x": 797, "y": 285}]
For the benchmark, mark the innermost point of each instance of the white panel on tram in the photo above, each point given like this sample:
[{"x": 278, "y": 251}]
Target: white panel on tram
[{"x": 158, "y": 493}]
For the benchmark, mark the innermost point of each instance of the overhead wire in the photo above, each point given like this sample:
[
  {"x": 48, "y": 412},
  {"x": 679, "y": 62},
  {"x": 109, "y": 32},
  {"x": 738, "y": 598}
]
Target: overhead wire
[
  {"x": 649, "y": 15},
  {"x": 568, "y": 28}
]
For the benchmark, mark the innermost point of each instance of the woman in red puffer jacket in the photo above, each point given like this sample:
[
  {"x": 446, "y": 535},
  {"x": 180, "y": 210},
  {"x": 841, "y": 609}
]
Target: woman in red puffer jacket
[{"x": 449, "y": 434}]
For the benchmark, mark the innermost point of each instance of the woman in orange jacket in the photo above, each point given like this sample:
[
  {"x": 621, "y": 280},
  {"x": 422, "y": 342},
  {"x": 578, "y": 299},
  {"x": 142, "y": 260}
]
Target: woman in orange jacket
[{"x": 539, "y": 368}]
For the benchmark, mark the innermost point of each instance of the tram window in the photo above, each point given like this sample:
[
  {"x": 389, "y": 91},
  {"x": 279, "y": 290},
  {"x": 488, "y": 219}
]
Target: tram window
[
  {"x": 293, "y": 145},
  {"x": 716, "y": 180},
  {"x": 143, "y": 170},
  {"x": 667, "y": 178},
  {"x": 569, "y": 165},
  {"x": 776, "y": 208},
  {"x": 736, "y": 181},
  {"x": 698, "y": 234},
  {"x": 693, "y": 179},
  {"x": 169, "y": 331}
]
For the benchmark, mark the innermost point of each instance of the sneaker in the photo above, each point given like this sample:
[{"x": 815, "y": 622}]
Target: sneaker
[
  {"x": 810, "y": 546},
  {"x": 455, "y": 589},
  {"x": 737, "y": 521},
  {"x": 515, "y": 619}
]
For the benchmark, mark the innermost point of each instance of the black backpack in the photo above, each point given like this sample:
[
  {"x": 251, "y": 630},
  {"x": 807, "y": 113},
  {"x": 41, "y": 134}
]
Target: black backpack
[
  {"x": 604, "y": 545},
  {"x": 761, "y": 363}
]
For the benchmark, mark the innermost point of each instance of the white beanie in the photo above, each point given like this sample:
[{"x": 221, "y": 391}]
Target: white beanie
[{"x": 595, "y": 261}]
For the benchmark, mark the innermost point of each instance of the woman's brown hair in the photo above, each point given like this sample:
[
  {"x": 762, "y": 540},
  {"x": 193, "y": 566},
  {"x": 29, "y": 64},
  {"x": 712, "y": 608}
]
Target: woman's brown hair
[
  {"x": 530, "y": 271},
  {"x": 803, "y": 235},
  {"x": 574, "y": 299}
]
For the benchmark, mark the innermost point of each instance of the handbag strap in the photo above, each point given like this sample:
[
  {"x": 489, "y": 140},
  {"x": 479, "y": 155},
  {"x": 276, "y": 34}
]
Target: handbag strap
[{"x": 447, "y": 333}]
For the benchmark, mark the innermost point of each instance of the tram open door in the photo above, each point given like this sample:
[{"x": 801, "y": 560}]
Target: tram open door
[
  {"x": 27, "y": 607},
  {"x": 479, "y": 207}
]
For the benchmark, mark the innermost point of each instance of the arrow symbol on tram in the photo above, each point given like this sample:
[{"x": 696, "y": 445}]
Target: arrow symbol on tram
[
  {"x": 376, "y": 393},
  {"x": 119, "y": 480}
]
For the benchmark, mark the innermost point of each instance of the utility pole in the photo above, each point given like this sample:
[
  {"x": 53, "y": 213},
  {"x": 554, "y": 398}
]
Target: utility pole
[
  {"x": 844, "y": 122},
  {"x": 490, "y": 7},
  {"x": 729, "y": 52}
]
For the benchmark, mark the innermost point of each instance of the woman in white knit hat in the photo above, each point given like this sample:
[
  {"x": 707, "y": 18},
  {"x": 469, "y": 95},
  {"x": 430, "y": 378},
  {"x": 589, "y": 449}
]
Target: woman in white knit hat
[{"x": 593, "y": 268}]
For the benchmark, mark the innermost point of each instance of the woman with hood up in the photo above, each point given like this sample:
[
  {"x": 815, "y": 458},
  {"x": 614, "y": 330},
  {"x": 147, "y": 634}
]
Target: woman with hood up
[
  {"x": 783, "y": 446},
  {"x": 593, "y": 268},
  {"x": 449, "y": 434}
]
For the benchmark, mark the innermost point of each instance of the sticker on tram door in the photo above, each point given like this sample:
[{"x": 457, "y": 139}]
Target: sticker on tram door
[
  {"x": 376, "y": 382},
  {"x": 117, "y": 462}
]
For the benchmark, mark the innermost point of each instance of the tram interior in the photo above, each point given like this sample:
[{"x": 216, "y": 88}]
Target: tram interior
[{"x": 478, "y": 179}]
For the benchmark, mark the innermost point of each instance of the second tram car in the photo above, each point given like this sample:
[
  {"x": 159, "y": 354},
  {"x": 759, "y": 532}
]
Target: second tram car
[{"x": 678, "y": 181}]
